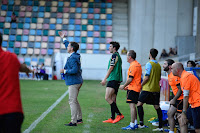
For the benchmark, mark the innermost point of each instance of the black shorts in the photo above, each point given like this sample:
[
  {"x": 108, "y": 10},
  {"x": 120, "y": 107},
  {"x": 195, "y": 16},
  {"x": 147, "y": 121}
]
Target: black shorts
[
  {"x": 114, "y": 84},
  {"x": 132, "y": 96},
  {"x": 11, "y": 123},
  {"x": 196, "y": 117},
  {"x": 152, "y": 98},
  {"x": 179, "y": 105}
]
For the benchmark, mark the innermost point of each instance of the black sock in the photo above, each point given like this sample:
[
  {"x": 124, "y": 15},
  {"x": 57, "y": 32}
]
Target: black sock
[
  {"x": 159, "y": 113},
  {"x": 116, "y": 109},
  {"x": 112, "y": 110},
  {"x": 141, "y": 114}
]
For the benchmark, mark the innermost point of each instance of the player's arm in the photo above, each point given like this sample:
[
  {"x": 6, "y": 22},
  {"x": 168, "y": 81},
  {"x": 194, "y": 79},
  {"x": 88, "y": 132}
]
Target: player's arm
[
  {"x": 147, "y": 73},
  {"x": 178, "y": 94},
  {"x": 129, "y": 80},
  {"x": 24, "y": 68}
]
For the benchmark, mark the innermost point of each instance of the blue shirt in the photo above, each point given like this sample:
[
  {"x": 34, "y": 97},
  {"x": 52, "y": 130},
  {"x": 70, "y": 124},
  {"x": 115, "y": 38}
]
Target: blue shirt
[{"x": 148, "y": 67}]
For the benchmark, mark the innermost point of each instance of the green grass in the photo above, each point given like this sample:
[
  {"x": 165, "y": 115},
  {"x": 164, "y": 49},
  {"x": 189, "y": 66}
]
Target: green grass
[{"x": 38, "y": 96}]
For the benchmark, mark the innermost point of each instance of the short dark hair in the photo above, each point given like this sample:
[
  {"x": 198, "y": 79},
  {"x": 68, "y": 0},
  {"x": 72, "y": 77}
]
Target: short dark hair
[
  {"x": 115, "y": 45},
  {"x": 170, "y": 61},
  {"x": 1, "y": 39},
  {"x": 153, "y": 52},
  {"x": 75, "y": 46},
  {"x": 192, "y": 62},
  {"x": 132, "y": 53}
]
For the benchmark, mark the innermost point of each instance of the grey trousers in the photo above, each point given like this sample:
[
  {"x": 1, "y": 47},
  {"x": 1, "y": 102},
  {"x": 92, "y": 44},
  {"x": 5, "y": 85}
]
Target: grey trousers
[{"x": 76, "y": 113}]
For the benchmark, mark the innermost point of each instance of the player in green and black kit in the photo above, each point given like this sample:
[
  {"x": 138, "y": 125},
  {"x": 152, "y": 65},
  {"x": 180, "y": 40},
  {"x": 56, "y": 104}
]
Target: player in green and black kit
[{"x": 114, "y": 78}]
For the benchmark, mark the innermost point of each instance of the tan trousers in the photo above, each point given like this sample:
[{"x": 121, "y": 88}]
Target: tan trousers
[{"x": 76, "y": 113}]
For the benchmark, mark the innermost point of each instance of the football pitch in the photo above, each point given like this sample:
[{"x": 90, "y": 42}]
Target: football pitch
[{"x": 38, "y": 96}]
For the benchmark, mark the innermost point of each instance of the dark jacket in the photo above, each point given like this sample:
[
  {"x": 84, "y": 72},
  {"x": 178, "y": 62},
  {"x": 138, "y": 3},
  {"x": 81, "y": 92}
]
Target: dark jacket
[{"x": 73, "y": 74}]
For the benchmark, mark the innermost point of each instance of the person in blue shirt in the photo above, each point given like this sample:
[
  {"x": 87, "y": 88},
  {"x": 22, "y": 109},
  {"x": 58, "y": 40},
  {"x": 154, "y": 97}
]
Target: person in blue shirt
[{"x": 73, "y": 78}]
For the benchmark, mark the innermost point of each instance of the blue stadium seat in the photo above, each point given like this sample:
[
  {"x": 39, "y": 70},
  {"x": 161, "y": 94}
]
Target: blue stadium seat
[
  {"x": 26, "y": 25},
  {"x": 23, "y": 51},
  {"x": 41, "y": 8},
  {"x": 8, "y": 19},
  {"x": 41, "y": 14},
  {"x": 77, "y": 27},
  {"x": 102, "y": 52},
  {"x": 1, "y": 26},
  {"x": 27, "y": 60},
  {"x": 10, "y": 8},
  {"x": 96, "y": 51},
  {"x": 96, "y": 46},
  {"x": 51, "y": 38},
  {"x": 6, "y": 31},
  {"x": 60, "y": 3},
  {"x": 109, "y": 5},
  {"x": 52, "y": 26},
  {"x": 53, "y": 15},
  {"x": 103, "y": 22},
  {"x": 35, "y": 14},
  {"x": 13, "y": 31},
  {"x": 102, "y": 40},
  {"x": 83, "y": 46},
  {"x": 4, "y": 7},
  {"x": 109, "y": 22},
  {"x": 72, "y": 15},
  {"x": 25, "y": 38},
  {"x": 46, "y": 20},
  {"x": 10, "y": 50},
  {"x": 48, "y": 3},
  {"x": 14, "y": 25},
  {"x": 103, "y": 28},
  {"x": 63, "y": 51},
  {"x": 39, "y": 32},
  {"x": 12, "y": 38},
  {"x": 97, "y": 5},
  {"x": 4, "y": 44},
  {"x": 103, "y": 5},
  {"x": 11, "y": 44},
  {"x": 51, "y": 45},
  {"x": 27, "y": 20},
  {"x": 35, "y": 8},
  {"x": 90, "y": 33},
  {"x": 16, "y": 8},
  {"x": 109, "y": 16},
  {"x": 32, "y": 32},
  {"x": 37, "y": 44},
  {"x": 11, "y": 2},
  {"x": 83, "y": 51},
  {"x": 71, "y": 39},
  {"x": 84, "y": 16},
  {"x": 71, "y": 27},
  {"x": 77, "y": 39},
  {"x": 107, "y": 46},
  {"x": 96, "y": 16},
  {"x": 71, "y": 21},
  {"x": 31, "y": 44},
  {"x": 78, "y": 10},
  {"x": 91, "y": 10},
  {"x": 72, "y": 4},
  {"x": 34, "y": 59},
  {"x": 30, "y": 3},
  {"x": 50, "y": 51},
  {"x": 65, "y": 27},
  {"x": 1, "y": 30},
  {"x": 59, "y": 21},
  {"x": 96, "y": 40},
  {"x": 21, "y": 20},
  {"x": 9, "y": 13},
  {"x": 96, "y": 27},
  {"x": 97, "y": 22},
  {"x": 77, "y": 33}
]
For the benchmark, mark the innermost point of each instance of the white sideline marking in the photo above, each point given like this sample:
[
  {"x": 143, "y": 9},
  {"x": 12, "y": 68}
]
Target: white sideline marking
[
  {"x": 34, "y": 124},
  {"x": 87, "y": 126}
]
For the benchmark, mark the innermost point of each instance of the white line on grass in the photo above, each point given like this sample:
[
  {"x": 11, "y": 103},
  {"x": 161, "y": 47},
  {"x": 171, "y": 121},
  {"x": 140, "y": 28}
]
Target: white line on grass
[
  {"x": 87, "y": 126},
  {"x": 34, "y": 124}
]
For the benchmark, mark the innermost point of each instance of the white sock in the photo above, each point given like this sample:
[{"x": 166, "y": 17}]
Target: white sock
[
  {"x": 171, "y": 131},
  {"x": 132, "y": 124},
  {"x": 135, "y": 122}
]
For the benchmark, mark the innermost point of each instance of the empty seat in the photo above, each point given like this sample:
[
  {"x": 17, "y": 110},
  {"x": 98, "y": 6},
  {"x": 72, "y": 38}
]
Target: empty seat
[
  {"x": 70, "y": 39},
  {"x": 43, "y": 51},
  {"x": 57, "y": 45},
  {"x": 51, "y": 32},
  {"x": 83, "y": 51},
  {"x": 108, "y": 40},
  {"x": 13, "y": 31},
  {"x": 26, "y": 32},
  {"x": 32, "y": 32},
  {"x": 65, "y": 15},
  {"x": 12, "y": 38},
  {"x": 45, "y": 32},
  {"x": 77, "y": 27},
  {"x": 41, "y": 60},
  {"x": 57, "y": 39},
  {"x": 11, "y": 44},
  {"x": 24, "y": 44},
  {"x": 48, "y": 9},
  {"x": 59, "y": 21},
  {"x": 35, "y": 8},
  {"x": 109, "y": 11},
  {"x": 84, "y": 27},
  {"x": 77, "y": 33},
  {"x": 89, "y": 46},
  {"x": 4, "y": 7},
  {"x": 36, "y": 51},
  {"x": 3, "y": 13},
  {"x": 10, "y": 50},
  {"x": 96, "y": 16},
  {"x": 52, "y": 20},
  {"x": 50, "y": 51},
  {"x": 40, "y": 20},
  {"x": 30, "y": 51},
  {"x": 83, "y": 46},
  {"x": 19, "y": 31},
  {"x": 26, "y": 26},
  {"x": 103, "y": 28},
  {"x": 9, "y": 13},
  {"x": 25, "y": 38},
  {"x": 83, "y": 39},
  {"x": 78, "y": 10},
  {"x": 47, "y": 62},
  {"x": 90, "y": 16},
  {"x": 91, "y": 4},
  {"x": 97, "y": 22},
  {"x": 46, "y": 14},
  {"x": 102, "y": 34},
  {"x": 103, "y": 22},
  {"x": 66, "y": 9},
  {"x": 71, "y": 21},
  {"x": 14, "y": 25},
  {"x": 96, "y": 10},
  {"x": 83, "y": 33},
  {"x": 52, "y": 26},
  {"x": 33, "y": 26},
  {"x": 27, "y": 20},
  {"x": 90, "y": 27},
  {"x": 71, "y": 27},
  {"x": 60, "y": 3},
  {"x": 84, "y": 21},
  {"x": 16, "y": 8},
  {"x": 27, "y": 61},
  {"x": 44, "y": 45},
  {"x": 60, "y": 9},
  {"x": 65, "y": 21},
  {"x": 41, "y": 8},
  {"x": 97, "y": 5},
  {"x": 45, "y": 26},
  {"x": 108, "y": 34},
  {"x": 46, "y": 20},
  {"x": 37, "y": 44},
  {"x": 102, "y": 40},
  {"x": 21, "y": 59},
  {"x": 18, "y": 38},
  {"x": 91, "y": 10},
  {"x": 16, "y": 51},
  {"x": 102, "y": 46},
  {"x": 4, "y": 44},
  {"x": 72, "y": 4},
  {"x": 2, "y": 19},
  {"x": 96, "y": 34},
  {"x": 78, "y": 15},
  {"x": 29, "y": 8},
  {"x": 89, "y": 39},
  {"x": 50, "y": 45},
  {"x": 38, "y": 32},
  {"x": 102, "y": 16},
  {"x": 77, "y": 21},
  {"x": 108, "y": 22},
  {"x": 5, "y": 37},
  {"x": 6, "y": 31},
  {"x": 96, "y": 27},
  {"x": 31, "y": 44},
  {"x": 8, "y": 19},
  {"x": 23, "y": 51},
  {"x": 85, "y": 10},
  {"x": 103, "y": 11},
  {"x": 44, "y": 38},
  {"x": 77, "y": 39},
  {"x": 41, "y": 14},
  {"x": 53, "y": 9},
  {"x": 96, "y": 40},
  {"x": 22, "y": 8},
  {"x": 39, "y": 26},
  {"x": 17, "y": 44}
]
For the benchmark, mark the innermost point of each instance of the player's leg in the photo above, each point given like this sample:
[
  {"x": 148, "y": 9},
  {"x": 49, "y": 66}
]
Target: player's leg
[{"x": 171, "y": 112}]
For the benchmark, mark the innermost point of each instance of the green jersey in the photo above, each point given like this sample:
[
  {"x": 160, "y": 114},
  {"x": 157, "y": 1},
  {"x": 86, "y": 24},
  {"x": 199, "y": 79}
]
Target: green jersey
[{"x": 116, "y": 73}]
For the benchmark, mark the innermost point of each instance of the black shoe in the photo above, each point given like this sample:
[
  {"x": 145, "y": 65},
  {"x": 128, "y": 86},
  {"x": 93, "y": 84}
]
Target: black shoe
[
  {"x": 71, "y": 124},
  {"x": 79, "y": 121}
]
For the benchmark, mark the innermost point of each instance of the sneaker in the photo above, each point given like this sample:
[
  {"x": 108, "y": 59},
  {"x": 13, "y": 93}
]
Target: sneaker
[
  {"x": 155, "y": 120},
  {"x": 136, "y": 126},
  {"x": 151, "y": 119},
  {"x": 144, "y": 126},
  {"x": 118, "y": 118},
  {"x": 79, "y": 121},
  {"x": 158, "y": 129},
  {"x": 108, "y": 121},
  {"x": 155, "y": 124},
  {"x": 71, "y": 124},
  {"x": 128, "y": 128}
]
